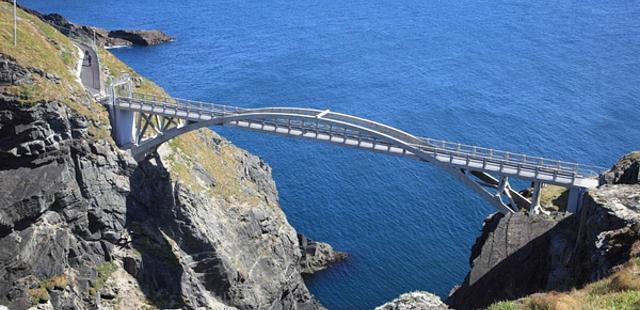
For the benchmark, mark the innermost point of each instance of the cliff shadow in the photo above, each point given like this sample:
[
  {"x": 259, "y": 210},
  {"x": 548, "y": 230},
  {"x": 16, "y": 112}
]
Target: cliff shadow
[
  {"x": 540, "y": 261},
  {"x": 153, "y": 263}
]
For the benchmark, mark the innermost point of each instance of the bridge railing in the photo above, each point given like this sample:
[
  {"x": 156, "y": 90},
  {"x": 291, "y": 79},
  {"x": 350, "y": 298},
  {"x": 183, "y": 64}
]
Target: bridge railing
[
  {"x": 454, "y": 151},
  {"x": 517, "y": 160},
  {"x": 190, "y": 104}
]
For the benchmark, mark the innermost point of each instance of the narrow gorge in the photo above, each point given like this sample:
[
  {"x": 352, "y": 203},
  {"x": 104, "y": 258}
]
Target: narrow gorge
[{"x": 197, "y": 224}]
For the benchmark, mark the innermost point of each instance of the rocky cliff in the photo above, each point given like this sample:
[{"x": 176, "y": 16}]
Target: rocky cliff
[
  {"x": 83, "y": 226},
  {"x": 520, "y": 254},
  {"x": 415, "y": 301}
]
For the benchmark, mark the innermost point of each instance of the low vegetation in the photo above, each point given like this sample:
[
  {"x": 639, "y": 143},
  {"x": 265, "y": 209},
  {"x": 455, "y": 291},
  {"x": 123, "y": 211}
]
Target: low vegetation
[
  {"x": 554, "y": 198},
  {"x": 40, "y": 293},
  {"x": 104, "y": 272},
  {"x": 117, "y": 68},
  {"x": 218, "y": 160},
  {"x": 620, "y": 291},
  {"x": 37, "y": 43}
]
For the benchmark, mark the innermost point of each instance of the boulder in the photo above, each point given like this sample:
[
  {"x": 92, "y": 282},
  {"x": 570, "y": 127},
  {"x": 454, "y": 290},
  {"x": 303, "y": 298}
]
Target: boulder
[{"x": 415, "y": 301}]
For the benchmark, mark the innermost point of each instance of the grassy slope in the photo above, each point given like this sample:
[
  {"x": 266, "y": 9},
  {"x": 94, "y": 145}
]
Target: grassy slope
[
  {"x": 195, "y": 150},
  {"x": 39, "y": 46},
  {"x": 42, "y": 47},
  {"x": 620, "y": 291}
]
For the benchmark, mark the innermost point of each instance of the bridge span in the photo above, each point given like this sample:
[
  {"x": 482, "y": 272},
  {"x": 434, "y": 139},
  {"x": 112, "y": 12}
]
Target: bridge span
[{"x": 142, "y": 122}]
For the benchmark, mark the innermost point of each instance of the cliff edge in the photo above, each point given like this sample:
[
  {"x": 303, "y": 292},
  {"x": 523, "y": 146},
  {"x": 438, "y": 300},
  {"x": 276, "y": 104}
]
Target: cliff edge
[
  {"x": 520, "y": 254},
  {"x": 83, "y": 226}
]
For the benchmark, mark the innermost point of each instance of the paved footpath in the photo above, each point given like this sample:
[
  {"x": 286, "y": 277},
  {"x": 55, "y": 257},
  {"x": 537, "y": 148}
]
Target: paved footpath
[{"x": 90, "y": 70}]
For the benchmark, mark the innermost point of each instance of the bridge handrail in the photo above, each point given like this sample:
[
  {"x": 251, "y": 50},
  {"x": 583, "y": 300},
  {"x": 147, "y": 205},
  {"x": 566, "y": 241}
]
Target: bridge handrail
[
  {"x": 515, "y": 158},
  {"x": 199, "y": 105}
]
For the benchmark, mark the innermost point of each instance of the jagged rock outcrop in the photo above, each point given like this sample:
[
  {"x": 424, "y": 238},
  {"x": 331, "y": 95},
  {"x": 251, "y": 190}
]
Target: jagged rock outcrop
[
  {"x": 103, "y": 37},
  {"x": 204, "y": 249},
  {"x": 73, "y": 205},
  {"x": 139, "y": 37},
  {"x": 63, "y": 207},
  {"x": 625, "y": 171},
  {"x": 317, "y": 256},
  {"x": 11, "y": 72},
  {"x": 520, "y": 254},
  {"x": 415, "y": 301},
  {"x": 83, "y": 226}
]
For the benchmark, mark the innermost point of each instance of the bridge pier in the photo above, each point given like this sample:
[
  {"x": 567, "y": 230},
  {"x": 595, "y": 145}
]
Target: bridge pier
[
  {"x": 123, "y": 130},
  {"x": 535, "y": 207}
]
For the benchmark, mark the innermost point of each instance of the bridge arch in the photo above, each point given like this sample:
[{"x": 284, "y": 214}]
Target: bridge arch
[
  {"x": 141, "y": 123},
  {"x": 379, "y": 137}
]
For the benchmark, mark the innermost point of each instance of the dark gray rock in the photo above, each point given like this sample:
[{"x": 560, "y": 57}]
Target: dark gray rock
[
  {"x": 517, "y": 254},
  {"x": 58, "y": 201},
  {"x": 625, "y": 171},
  {"x": 103, "y": 37},
  {"x": 316, "y": 255},
  {"x": 11, "y": 73},
  {"x": 512, "y": 258},
  {"x": 244, "y": 256},
  {"x": 141, "y": 37},
  {"x": 74, "y": 203}
]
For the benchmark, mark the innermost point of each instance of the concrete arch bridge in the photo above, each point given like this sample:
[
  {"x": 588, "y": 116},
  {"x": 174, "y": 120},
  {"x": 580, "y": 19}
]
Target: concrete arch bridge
[{"x": 141, "y": 123}]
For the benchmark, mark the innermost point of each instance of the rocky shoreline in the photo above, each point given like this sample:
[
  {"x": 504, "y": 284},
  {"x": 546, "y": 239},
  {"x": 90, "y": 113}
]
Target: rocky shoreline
[
  {"x": 84, "y": 226},
  {"x": 103, "y": 37}
]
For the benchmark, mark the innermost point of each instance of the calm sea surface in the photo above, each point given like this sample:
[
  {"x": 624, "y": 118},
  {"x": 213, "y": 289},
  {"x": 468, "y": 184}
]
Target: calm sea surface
[{"x": 559, "y": 79}]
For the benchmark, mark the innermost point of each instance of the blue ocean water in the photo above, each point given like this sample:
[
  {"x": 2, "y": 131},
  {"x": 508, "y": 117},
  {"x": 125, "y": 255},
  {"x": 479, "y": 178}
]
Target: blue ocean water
[{"x": 559, "y": 79}]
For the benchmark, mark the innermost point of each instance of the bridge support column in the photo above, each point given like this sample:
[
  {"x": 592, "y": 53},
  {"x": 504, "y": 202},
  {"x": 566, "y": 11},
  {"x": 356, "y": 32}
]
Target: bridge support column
[
  {"x": 122, "y": 121},
  {"x": 535, "y": 207},
  {"x": 504, "y": 188},
  {"x": 574, "y": 201}
]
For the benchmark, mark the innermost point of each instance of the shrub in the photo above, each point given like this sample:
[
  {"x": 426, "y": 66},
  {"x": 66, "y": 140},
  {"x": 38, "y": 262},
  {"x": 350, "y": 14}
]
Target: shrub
[{"x": 504, "y": 305}]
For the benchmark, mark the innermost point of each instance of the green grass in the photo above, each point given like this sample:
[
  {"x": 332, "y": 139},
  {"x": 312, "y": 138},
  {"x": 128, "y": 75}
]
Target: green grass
[
  {"x": 504, "y": 305},
  {"x": 42, "y": 47},
  {"x": 554, "y": 198},
  {"x": 619, "y": 291},
  {"x": 104, "y": 272},
  {"x": 40, "y": 293},
  {"x": 625, "y": 300}
]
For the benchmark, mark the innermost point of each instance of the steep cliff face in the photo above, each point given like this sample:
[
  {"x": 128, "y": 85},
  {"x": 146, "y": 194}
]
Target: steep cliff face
[
  {"x": 204, "y": 249},
  {"x": 520, "y": 254},
  {"x": 63, "y": 207},
  {"x": 83, "y": 226}
]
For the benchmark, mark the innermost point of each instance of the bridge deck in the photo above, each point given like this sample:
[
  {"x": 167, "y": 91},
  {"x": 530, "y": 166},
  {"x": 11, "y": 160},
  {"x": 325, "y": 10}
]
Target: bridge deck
[{"x": 326, "y": 126}]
